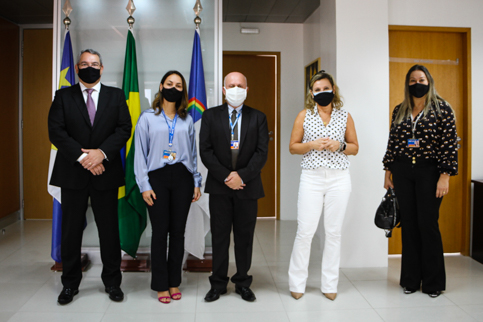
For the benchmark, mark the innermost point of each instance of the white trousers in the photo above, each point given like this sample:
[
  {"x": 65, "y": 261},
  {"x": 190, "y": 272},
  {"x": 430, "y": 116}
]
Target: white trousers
[{"x": 321, "y": 190}]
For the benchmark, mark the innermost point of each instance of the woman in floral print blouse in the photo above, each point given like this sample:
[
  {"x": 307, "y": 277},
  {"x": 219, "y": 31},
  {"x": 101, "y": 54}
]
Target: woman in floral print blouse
[{"x": 420, "y": 158}]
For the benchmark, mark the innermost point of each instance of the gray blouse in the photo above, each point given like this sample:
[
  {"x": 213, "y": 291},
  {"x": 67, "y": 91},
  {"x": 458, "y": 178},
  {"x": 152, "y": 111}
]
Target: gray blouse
[{"x": 152, "y": 139}]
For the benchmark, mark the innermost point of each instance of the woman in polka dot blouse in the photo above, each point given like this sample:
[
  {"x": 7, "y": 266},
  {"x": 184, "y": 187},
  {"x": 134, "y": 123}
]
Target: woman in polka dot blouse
[
  {"x": 325, "y": 135},
  {"x": 420, "y": 158}
]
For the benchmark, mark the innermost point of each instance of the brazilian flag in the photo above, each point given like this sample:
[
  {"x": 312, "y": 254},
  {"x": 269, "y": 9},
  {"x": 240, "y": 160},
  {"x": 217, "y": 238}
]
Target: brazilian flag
[{"x": 131, "y": 207}]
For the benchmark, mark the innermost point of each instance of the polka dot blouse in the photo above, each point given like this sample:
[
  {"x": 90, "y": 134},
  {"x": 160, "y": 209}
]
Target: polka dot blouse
[
  {"x": 437, "y": 140},
  {"x": 314, "y": 129}
]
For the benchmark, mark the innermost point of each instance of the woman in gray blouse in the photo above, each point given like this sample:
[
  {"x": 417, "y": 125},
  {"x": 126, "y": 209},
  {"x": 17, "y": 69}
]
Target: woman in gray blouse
[
  {"x": 166, "y": 173},
  {"x": 325, "y": 135}
]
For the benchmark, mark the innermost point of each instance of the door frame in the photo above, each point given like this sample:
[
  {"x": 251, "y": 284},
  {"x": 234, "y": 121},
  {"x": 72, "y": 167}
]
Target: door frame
[
  {"x": 277, "y": 121},
  {"x": 20, "y": 108},
  {"x": 464, "y": 169}
]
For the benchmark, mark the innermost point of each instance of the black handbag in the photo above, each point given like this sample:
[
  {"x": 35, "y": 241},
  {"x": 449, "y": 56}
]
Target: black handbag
[{"x": 388, "y": 215}]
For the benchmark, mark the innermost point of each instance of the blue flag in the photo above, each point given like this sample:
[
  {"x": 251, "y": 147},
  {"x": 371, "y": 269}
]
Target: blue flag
[
  {"x": 197, "y": 91},
  {"x": 67, "y": 78}
]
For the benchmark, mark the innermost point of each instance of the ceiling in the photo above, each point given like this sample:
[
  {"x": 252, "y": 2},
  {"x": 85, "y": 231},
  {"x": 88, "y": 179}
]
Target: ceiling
[
  {"x": 27, "y": 11},
  {"x": 281, "y": 11}
]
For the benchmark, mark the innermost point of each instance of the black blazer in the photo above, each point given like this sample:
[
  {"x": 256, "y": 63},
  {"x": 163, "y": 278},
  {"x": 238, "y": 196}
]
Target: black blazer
[
  {"x": 70, "y": 130},
  {"x": 215, "y": 150}
]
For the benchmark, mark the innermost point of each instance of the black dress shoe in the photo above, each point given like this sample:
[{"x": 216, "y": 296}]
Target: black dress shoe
[
  {"x": 246, "y": 293},
  {"x": 115, "y": 293},
  {"x": 214, "y": 294},
  {"x": 434, "y": 294},
  {"x": 67, "y": 295},
  {"x": 408, "y": 290}
]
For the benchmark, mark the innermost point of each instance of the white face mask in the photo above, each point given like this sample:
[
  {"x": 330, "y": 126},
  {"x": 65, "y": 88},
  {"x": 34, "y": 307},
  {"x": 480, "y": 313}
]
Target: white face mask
[{"x": 235, "y": 96}]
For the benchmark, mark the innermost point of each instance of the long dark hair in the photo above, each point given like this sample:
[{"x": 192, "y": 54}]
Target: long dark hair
[
  {"x": 181, "y": 104},
  {"x": 432, "y": 98}
]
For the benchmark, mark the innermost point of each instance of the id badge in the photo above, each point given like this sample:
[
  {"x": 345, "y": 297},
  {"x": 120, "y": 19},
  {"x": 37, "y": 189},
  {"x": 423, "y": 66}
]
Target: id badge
[
  {"x": 170, "y": 155},
  {"x": 234, "y": 144},
  {"x": 413, "y": 143}
]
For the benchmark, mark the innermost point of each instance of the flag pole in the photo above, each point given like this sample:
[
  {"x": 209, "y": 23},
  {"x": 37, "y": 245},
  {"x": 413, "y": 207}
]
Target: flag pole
[
  {"x": 197, "y": 258},
  {"x": 131, "y": 207},
  {"x": 67, "y": 79}
]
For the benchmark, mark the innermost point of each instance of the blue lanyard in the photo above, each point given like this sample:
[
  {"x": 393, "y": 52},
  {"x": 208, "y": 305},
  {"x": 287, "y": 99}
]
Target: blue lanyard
[
  {"x": 171, "y": 129},
  {"x": 233, "y": 125}
]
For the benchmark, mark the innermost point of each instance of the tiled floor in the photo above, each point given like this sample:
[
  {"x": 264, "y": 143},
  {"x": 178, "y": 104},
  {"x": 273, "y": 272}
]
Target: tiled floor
[{"x": 28, "y": 289}]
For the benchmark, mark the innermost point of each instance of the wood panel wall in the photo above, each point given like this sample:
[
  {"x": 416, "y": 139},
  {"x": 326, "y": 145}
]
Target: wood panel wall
[{"x": 9, "y": 109}]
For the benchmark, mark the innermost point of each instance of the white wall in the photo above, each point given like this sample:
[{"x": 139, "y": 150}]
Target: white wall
[
  {"x": 287, "y": 39},
  {"x": 363, "y": 77},
  {"x": 449, "y": 13},
  {"x": 320, "y": 37}
]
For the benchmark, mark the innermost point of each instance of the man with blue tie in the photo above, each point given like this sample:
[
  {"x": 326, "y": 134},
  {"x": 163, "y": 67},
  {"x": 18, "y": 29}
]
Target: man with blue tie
[
  {"x": 234, "y": 148},
  {"x": 89, "y": 123}
]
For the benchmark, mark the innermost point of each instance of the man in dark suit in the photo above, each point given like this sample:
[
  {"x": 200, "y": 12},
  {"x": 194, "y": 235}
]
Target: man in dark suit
[
  {"x": 89, "y": 123},
  {"x": 233, "y": 147}
]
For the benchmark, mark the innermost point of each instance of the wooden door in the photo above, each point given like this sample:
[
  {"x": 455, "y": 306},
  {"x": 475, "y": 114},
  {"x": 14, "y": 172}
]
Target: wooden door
[
  {"x": 444, "y": 53},
  {"x": 9, "y": 168},
  {"x": 262, "y": 72},
  {"x": 36, "y": 98}
]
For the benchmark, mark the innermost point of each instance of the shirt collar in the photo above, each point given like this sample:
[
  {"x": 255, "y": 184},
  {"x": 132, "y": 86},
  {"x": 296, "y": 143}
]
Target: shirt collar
[
  {"x": 97, "y": 87},
  {"x": 231, "y": 108}
]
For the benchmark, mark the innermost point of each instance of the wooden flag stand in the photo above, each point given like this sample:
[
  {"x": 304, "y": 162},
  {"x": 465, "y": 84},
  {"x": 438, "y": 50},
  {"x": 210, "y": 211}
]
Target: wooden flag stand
[
  {"x": 85, "y": 262},
  {"x": 142, "y": 263},
  {"x": 194, "y": 264}
]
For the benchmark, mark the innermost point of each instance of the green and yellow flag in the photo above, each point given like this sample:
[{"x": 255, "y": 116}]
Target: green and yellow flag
[{"x": 132, "y": 209}]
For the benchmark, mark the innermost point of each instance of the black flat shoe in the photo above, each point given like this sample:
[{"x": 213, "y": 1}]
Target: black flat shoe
[
  {"x": 115, "y": 293},
  {"x": 67, "y": 295},
  {"x": 246, "y": 293},
  {"x": 214, "y": 294},
  {"x": 434, "y": 294},
  {"x": 408, "y": 290}
]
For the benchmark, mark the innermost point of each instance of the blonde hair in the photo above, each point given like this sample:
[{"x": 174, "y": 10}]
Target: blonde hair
[
  {"x": 432, "y": 98},
  {"x": 309, "y": 100}
]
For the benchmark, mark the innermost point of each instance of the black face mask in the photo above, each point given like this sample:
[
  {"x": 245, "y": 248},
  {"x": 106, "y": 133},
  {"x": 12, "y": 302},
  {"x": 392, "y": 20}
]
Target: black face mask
[
  {"x": 324, "y": 98},
  {"x": 418, "y": 90},
  {"x": 89, "y": 75},
  {"x": 172, "y": 94}
]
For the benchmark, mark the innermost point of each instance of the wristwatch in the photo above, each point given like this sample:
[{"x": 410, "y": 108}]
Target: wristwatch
[{"x": 342, "y": 147}]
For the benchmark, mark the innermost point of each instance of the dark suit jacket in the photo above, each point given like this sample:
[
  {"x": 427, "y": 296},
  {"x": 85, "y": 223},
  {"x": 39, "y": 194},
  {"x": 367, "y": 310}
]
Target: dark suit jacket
[
  {"x": 70, "y": 130},
  {"x": 215, "y": 150}
]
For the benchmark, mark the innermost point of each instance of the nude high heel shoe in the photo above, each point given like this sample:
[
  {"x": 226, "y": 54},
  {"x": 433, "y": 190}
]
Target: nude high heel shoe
[
  {"x": 330, "y": 296},
  {"x": 296, "y": 295}
]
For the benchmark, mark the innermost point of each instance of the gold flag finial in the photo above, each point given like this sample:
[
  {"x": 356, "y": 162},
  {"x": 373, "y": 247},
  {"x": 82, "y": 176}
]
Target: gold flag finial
[
  {"x": 197, "y": 9},
  {"x": 67, "y": 9},
  {"x": 130, "y": 9}
]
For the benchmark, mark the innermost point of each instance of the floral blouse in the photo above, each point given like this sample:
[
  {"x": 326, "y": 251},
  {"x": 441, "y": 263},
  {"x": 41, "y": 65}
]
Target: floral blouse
[{"x": 437, "y": 139}]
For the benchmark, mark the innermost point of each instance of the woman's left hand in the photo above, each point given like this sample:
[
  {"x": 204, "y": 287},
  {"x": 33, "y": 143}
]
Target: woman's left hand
[
  {"x": 196, "y": 194},
  {"x": 331, "y": 145},
  {"x": 442, "y": 188}
]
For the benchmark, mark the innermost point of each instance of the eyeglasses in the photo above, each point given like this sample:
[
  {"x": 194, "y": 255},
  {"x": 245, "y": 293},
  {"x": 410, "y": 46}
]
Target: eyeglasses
[{"x": 86, "y": 64}]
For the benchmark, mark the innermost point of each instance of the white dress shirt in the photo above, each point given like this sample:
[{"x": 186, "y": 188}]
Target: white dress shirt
[{"x": 95, "y": 98}]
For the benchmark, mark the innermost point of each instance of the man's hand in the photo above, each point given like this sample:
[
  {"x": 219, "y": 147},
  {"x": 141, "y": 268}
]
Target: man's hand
[
  {"x": 98, "y": 170},
  {"x": 234, "y": 181},
  {"x": 93, "y": 158}
]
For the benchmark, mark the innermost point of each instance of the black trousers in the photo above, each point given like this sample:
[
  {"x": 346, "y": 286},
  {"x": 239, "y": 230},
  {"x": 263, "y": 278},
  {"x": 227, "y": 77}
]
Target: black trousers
[
  {"x": 174, "y": 187},
  {"x": 227, "y": 211},
  {"x": 74, "y": 207},
  {"x": 422, "y": 247}
]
